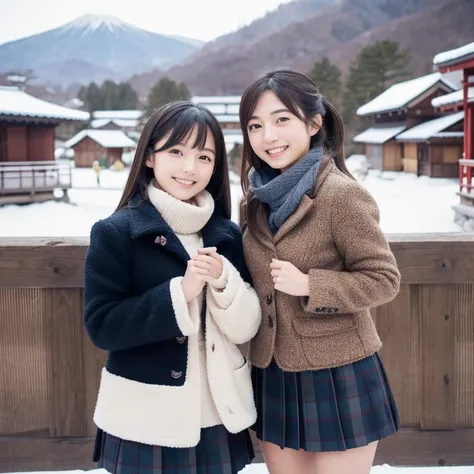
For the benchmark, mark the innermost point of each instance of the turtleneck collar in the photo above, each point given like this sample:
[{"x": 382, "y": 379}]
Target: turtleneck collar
[{"x": 182, "y": 217}]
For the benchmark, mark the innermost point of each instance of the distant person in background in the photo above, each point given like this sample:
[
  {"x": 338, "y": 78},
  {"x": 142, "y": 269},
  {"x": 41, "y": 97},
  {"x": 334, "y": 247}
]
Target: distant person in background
[
  {"x": 319, "y": 261},
  {"x": 167, "y": 295}
]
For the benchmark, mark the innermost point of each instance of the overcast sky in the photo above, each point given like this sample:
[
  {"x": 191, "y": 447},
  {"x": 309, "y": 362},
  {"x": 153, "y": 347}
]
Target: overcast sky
[{"x": 198, "y": 19}]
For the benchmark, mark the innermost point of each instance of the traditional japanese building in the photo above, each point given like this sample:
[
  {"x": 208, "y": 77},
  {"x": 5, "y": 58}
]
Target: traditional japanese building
[
  {"x": 226, "y": 110},
  {"x": 399, "y": 108},
  {"x": 433, "y": 148},
  {"x": 103, "y": 146},
  {"x": 461, "y": 60},
  {"x": 127, "y": 121},
  {"x": 28, "y": 170}
]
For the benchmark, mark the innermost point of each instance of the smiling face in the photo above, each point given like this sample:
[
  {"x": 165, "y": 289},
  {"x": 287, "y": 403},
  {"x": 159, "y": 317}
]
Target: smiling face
[
  {"x": 182, "y": 170},
  {"x": 278, "y": 137}
]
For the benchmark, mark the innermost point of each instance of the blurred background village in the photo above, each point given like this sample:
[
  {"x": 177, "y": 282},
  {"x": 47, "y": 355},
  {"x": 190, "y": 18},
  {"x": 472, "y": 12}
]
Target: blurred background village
[{"x": 74, "y": 99}]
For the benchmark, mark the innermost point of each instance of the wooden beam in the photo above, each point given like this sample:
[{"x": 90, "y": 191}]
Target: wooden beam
[
  {"x": 42, "y": 263},
  {"x": 30, "y": 262},
  {"x": 462, "y": 64},
  {"x": 409, "y": 447}
]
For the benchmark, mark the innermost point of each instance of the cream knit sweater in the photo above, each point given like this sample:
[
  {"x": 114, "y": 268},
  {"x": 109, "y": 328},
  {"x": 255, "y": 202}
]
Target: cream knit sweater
[{"x": 187, "y": 220}]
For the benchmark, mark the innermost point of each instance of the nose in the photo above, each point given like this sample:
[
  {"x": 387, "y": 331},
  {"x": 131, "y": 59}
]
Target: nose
[
  {"x": 270, "y": 135},
  {"x": 189, "y": 166}
]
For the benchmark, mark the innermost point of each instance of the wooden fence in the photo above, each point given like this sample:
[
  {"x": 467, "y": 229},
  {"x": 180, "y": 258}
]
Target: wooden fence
[
  {"x": 49, "y": 370},
  {"x": 28, "y": 181}
]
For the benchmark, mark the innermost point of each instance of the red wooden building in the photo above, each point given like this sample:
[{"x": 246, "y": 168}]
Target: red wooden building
[
  {"x": 28, "y": 171},
  {"x": 103, "y": 146},
  {"x": 462, "y": 60},
  {"x": 400, "y": 108}
]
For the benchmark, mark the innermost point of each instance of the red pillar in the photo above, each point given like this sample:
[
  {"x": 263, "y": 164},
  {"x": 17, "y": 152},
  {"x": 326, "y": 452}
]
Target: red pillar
[{"x": 465, "y": 84}]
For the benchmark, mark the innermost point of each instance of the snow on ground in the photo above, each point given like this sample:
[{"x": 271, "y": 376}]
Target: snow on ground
[
  {"x": 407, "y": 204},
  {"x": 261, "y": 469}
]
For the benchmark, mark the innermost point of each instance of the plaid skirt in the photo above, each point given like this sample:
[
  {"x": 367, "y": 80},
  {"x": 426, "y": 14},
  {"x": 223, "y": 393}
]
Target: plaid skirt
[
  {"x": 324, "y": 410},
  {"x": 218, "y": 452}
]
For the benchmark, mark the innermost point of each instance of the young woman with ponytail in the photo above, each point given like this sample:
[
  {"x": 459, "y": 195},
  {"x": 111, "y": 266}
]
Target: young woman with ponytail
[{"x": 319, "y": 261}]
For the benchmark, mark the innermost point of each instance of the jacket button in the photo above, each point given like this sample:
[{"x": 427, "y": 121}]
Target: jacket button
[
  {"x": 176, "y": 375},
  {"x": 269, "y": 299},
  {"x": 270, "y": 320},
  {"x": 180, "y": 339},
  {"x": 161, "y": 239}
]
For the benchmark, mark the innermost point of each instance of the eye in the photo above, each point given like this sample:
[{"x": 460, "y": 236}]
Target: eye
[
  {"x": 205, "y": 158},
  {"x": 175, "y": 151},
  {"x": 253, "y": 126},
  {"x": 282, "y": 119}
]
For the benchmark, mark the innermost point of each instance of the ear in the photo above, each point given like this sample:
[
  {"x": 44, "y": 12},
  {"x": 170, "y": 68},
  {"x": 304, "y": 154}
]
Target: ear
[
  {"x": 315, "y": 125},
  {"x": 150, "y": 161}
]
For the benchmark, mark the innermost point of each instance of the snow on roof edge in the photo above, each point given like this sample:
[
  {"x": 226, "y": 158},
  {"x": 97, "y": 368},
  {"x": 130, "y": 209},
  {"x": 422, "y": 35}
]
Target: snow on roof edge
[
  {"x": 453, "y": 55},
  {"x": 16, "y": 102},
  {"x": 404, "y": 92},
  {"x": 428, "y": 129},
  {"x": 379, "y": 135},
  {"x": 117, "y": 138}
]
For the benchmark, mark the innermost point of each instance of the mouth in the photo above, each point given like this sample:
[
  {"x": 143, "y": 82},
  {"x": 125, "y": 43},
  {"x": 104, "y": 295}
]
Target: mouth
[
  {"x": 185, "y": 182},
  {"x": 276, "y": 151}
]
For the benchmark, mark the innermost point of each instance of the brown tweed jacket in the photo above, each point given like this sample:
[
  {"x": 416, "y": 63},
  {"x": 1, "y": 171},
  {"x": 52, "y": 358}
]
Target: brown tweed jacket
[{"x": 334, "y": 237}]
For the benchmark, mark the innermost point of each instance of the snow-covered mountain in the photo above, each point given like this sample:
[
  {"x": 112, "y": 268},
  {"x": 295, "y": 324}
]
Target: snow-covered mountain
[{"x": 93, "y": 47}]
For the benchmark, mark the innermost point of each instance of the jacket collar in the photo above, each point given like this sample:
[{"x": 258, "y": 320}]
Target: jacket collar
[{"x": 146, "y": 220}]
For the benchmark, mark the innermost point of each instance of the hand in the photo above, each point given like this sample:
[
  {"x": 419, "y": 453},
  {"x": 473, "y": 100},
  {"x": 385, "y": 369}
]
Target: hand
[
  {"x": 288, "y": 279},
  {"x": 192, "y": 283},
  {"x": 208, "y": 264}
]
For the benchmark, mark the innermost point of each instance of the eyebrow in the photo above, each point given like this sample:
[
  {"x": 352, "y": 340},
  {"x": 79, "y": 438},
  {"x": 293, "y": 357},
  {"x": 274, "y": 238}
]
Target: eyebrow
[
  {"x": 204, "y": 149},
  {"x": 278, "y": 111}
]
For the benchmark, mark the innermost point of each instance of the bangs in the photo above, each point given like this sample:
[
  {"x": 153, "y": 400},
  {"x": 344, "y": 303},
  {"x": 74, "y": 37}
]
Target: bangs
[
  {"x": 184, "y": 124},
  {"x": 287, "y": 96}
]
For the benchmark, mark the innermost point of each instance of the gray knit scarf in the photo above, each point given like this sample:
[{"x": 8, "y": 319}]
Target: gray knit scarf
[{"x": 283, "y": 192}]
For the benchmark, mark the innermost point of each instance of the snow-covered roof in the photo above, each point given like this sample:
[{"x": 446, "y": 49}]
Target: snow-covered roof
[
  {"x": 453, "y": 98},
  {"x": 235, "y": 138},
  {"x": 15, "y": 102},
  {"x": 379, "y": 135},
  {"x": 225, "y": 118},
  {"x": 432, "y": 128},
  {"x": 216, "y": 108},
  {"x": 401, "y": 94},
  {"x": 449, "y": 135},
  {"x": 123, "y": 123},
  {"x": 454, "y": 55},
  {"x": 105, "y": 138},
  {"x": 117, "y": 114},
  {"x": 217, "y": 99}
]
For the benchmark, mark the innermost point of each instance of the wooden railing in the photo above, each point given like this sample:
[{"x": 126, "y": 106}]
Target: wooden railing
[
  {"x": 34, "y": 176},
  {"x": 466, "y": 168},
  {"x": 49, "y": 371}
]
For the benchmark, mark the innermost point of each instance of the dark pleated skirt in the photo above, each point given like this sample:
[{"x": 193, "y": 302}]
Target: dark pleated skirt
[
  {"x": 324, "y": 410},
  {"x": 218, "y": 452}
]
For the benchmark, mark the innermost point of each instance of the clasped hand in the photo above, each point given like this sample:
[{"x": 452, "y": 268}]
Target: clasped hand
[
  {"x": 203, "y": 268},
  {"x": 288, "y": 279}
]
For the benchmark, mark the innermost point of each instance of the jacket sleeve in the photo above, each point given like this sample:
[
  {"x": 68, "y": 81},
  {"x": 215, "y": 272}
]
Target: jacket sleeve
[
  {"x": 371, "y": 276},
  {"x": 116, "y": 319},
  {"x": 236, "y": 308}
]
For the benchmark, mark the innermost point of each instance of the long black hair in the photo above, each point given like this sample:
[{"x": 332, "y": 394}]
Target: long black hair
[
  {"x": 178, "y": 119},
  {"x": 302, "y": 98}
]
